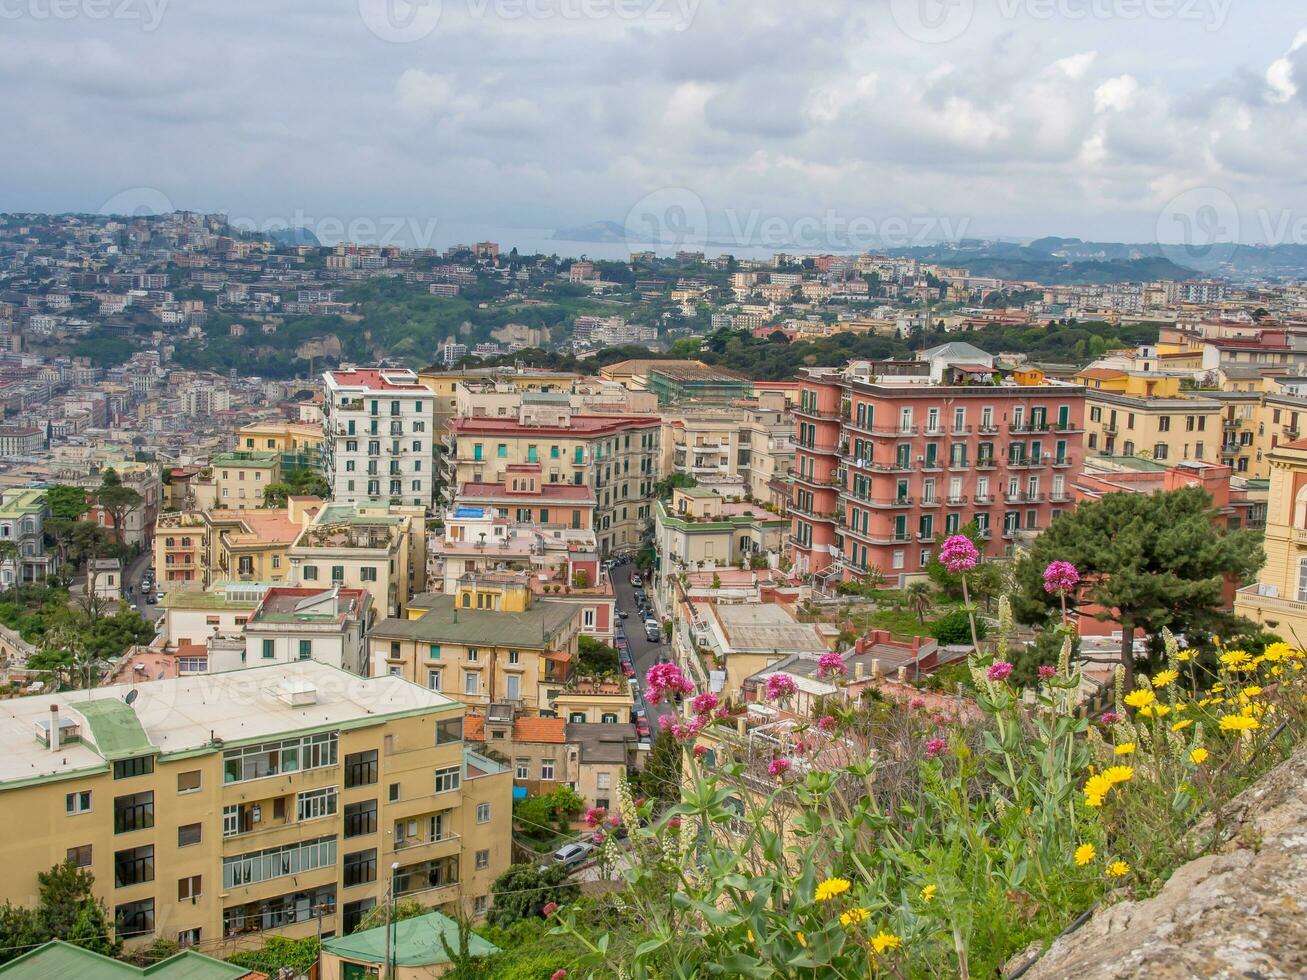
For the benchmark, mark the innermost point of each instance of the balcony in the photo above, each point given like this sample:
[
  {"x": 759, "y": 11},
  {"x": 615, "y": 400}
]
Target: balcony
[
  {"x": 929, "y": 465},
  {"x": 987, "y": 429},
  {"x": 985, "y": 533},
  {"x": 817, "y": 413},
  {"x": 1229, "y": 423},
  {"x": 930, "y": 501},
  {"x": 961, "y": 430},
  {"x": 926, "y": 537},
  {"x": 895, "y": 467},
  {"x": 1062, "y": 461},
  {"x": 413, "y": 848},
  {"x": 1067, "y": 427},
  {"x": 956, "y": 501},
  {"x": 983, "y": 498},
  {"x": 812, "y": 446},
  {"x": 1061, "y": 497},
  {"x": 1300, "y": 537},
  {"x": 986, "y": 463},
  {"x": 935, "y": 430}
]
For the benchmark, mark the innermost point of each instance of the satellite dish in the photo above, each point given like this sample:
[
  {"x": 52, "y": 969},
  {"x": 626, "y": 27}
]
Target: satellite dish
[{"x": 131, "y": 696}]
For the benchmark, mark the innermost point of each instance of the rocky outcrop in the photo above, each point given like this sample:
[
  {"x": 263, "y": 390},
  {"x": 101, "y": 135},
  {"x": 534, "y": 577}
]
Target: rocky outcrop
[{"x": 1239, "y": 911}]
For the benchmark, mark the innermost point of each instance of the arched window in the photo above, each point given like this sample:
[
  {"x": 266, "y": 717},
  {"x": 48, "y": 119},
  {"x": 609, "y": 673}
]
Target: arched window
[
  {"x": 467, "y": 600},
  {"x": 1299, "y": 518},
  {"x": 1302, "y": 579}
]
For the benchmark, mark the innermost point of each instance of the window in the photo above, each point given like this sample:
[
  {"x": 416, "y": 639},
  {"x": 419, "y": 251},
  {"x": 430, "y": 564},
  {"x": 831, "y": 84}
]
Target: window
[
  {"x": 269, "y": 649},
  {"x": 609, "y": 718},
  {"x": 368, "y": 573},
  {"x": 338, "y": 573},
  {"x": 310, "y": 573},
  {"x": 353, "y": 913},
  {"x": 316, "y": 803},
  {"x": 306, "y": 649},
  {"x": 80, "y": 856},
  {"x": 188, "y": 889},
  {"x": 473, "y": 655},
  {"x": 361, "y": 768},
  {"x": 547, "y": 769},
  {"x": 448, "y": 779},
  {"x": 483, "y": 859},
  {"x": 449, "y": 730},
  {"x": 133, "y": 812},
  {"x": 602, "y": 780},
  {"x": 189, "y": 937},
  {"x": 480, "y": 904},
  {"x": 274, "y": 758},
  {"x": 278, "y": 862},
  {"x": 133, "y": 866},
  {"x": 140, "y": 766},
  {"x": 522, "y": 769},
  {"x": 79, "y": 802},
  {"x": 393, "y": 792},
  {"x": 433, "y": 680},
  {"x": 188, "y": 782},
  {"x": 577, "y": 717},
  {"x": 471, "y": 683},
  {"x": 483, "y": 813},
  {"x": 360, "y": 867},
  {"x": 231, "y": 821},
  {"x": 360, "y": 818},
  {"x": 514, "y": 658},
  {"x": 134, "y": 918},
  {"x": 189, "y": 834}
]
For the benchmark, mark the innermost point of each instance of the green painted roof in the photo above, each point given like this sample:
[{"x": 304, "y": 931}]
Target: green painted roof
[
  {"x": 30, "y": 501},
  {"x": 245, "y": 459},
  {"x": 115, "y": 728},
  {"x": 417, "y": 942},
  {"x": 60, "y": 961},
  {"x": 445, "y": 623}
]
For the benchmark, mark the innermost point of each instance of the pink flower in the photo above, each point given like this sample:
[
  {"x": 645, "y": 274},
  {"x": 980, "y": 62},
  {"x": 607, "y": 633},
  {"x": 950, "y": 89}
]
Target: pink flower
[
  {"x": 681, "y": 733},
  {"x": 722, "y": 712},
  {"x": 558, "y": 975},
  {"x": 1047, "y": 671},
  {"x": 800, "y": 748},
  {"x": 642, "y": 801},
  {"x": 703, "y": 704},
  {"x": 665, "y": 680},
  {"x": 1110, "y": 718},
  {"x": 614, "y": 820},
  {"x": 826, "y": 722},
  {"x": 959, "y": 554},
  {"x": 596, "y": 838},
  {"x": 1060, "y": 578},
  {"x": 700, "y": 751},
  {"x": 999, "y": 671},
  {"x": 830, "y": 663},
  {"x": 595, "y": 816},
  {"x": 666, "y": 721},
  {"x": 674, "y": 823},
  {"x": 778, "y": 767},
  {"x": 549, "y": 909},
  {"x": 935, "y": 748},
  {"x": 916, "y": 704},
  {"x": 780, "y": 686}
]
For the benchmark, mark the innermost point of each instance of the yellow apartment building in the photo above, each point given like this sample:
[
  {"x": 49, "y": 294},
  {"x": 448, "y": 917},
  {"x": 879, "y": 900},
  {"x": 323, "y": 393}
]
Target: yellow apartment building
[
  {"x": 1278, "y": 599},
  {"x": 444, "y": 385},
  {"x": 490, "y": 642},
  {"x": 240, "y": 477},
  {"x": 298, "y": 444},
  {"x": 271, "y": 801},
  {"x": 381, "y": 548},
  {"x": 1137, "y": 414}
]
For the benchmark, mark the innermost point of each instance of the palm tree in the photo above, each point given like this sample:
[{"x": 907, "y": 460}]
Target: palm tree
[{"x": 920, "y": 598}]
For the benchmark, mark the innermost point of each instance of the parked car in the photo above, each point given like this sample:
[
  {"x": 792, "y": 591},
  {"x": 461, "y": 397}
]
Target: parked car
[
  {"x": 654, "y": 633},
  {"x": 622, "y": 613},
  {"x": 570, "y": 855},
  {"x": 636, "y": 580},
  {"x": 628, "y": 668},
  {"x": 150, "y": 599},
  {"x": 642, "y": 728}
]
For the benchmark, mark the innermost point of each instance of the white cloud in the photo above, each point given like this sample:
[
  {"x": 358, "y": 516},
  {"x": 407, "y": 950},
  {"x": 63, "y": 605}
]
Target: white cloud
[
  {"x": 1116, "y": 94},
  {"x": 421, "y": 93}
]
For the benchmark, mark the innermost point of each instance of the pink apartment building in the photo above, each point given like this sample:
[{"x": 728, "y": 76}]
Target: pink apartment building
[{"x": 890, "y": 455}]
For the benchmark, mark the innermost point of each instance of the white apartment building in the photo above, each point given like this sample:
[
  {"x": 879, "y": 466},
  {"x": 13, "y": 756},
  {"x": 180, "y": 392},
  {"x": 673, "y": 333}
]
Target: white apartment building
[{"x": 377, "y": 423}]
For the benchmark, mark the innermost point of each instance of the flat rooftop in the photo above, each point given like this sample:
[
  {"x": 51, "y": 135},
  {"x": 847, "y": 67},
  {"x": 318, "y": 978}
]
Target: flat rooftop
[
  {"x": 181, "y": 714},
  {"x": 762, "y": 627}
]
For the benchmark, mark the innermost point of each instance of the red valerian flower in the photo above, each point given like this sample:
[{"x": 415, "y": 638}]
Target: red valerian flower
[
  {"x": 959, "y": 554},
  {"x": 778, "y": 767},
  {"x": 1060, "y": 578},
  {"x": 780, "y": 686}
]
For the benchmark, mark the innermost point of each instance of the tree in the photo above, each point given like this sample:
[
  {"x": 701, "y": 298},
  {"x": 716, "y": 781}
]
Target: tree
[
  {"x": 1146, "y": 561},
  {"x": 661, "y": 776},
  {"x": 955, "y": 628},
  {"x": 919, "y": 598},
  {"x": 948, "y": 582},
  {"x": 524, "y": 889},
  {"x": 405, "y": 908},
  {"x": 117, "y": 500},
  {"x": 66, "y": 503},
  {"x": 65, "y": 909},
  {"x": 297, "y": 955},
  {"x": 595, "y": 659},
  {"x": 672, "y": 481},
  {"x": 296, "y": 483}
]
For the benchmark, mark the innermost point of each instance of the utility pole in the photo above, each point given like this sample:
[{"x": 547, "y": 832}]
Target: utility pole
[{"x": 390, "y": 920}]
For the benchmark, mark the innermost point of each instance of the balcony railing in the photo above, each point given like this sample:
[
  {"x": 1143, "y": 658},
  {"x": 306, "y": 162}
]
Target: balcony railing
[
  {"x": 987, "y": 428},
  {"x": 983, "y": 498},
  {"x": 956, "y": 501},
  {"x": 1061, "y": 461},
  {"x": 986, "y": 463},
  {"x": 930, "y": 501}
]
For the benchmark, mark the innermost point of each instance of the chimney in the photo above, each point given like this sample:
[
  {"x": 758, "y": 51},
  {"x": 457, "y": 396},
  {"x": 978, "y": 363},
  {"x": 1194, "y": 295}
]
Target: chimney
[
  {"x": 903, "y": 673},
  {"x": 54, "y": 728},
  {"x": 741, "y": 726},
  {"x": 857, "y": 670},
  {"x": 875, "y": 667}
]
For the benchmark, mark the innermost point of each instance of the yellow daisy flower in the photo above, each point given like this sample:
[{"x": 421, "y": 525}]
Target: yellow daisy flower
[
  {"x": 1251, "y": 691},
  {"x": 1160, "y": 710},
  {"x": 1165, "y": 677},
  {"x": 928, "y": 893},
  {"x": 831, "y": 887},
  {"x": 1084, "y": 854},
  {"x": 853, "y": 916},
  {"x": 1118, "y": 774},
  {"x": 1239, "y": 723},
  {"x": 885, "y": 940},
  {"x": 1141, "y": 698},
  {"x": 1198, "y": 756},
  {"x": 1184, "y": 656},
  {"x": 1118, "y": 869},
  {"x": 1234, "y": 658},
  {"x": 1180, "y": 726},
  {"x": 1125, "y": 748}
]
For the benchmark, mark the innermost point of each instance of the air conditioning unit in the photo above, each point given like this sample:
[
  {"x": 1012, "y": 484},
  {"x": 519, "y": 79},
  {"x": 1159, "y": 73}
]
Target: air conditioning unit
[{"x": 921, "y": 459}]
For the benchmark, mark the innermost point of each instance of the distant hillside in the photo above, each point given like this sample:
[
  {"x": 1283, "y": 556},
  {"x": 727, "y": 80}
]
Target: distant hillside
[
  {"x": 595, "y": 231},
  {"x": 294, "y": 236}
]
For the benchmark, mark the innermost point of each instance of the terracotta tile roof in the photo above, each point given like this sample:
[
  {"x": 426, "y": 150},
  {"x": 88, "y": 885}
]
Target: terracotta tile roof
[
  {"x": 474, "y": 728},
  {"x": 540, "y": 730}
]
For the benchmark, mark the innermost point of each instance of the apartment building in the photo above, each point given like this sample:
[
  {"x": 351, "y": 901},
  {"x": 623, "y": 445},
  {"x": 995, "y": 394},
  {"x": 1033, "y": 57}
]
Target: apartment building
[
  {"x": 298, "y": 445},
  {"x": 617, "y": 457},
  {"x": 445, "y": 385},
  {"x": 242, "y": 476},
  {"x": 270, "y": 801},
  {"x": 377, "y": 447},
  {"x": 490, "y": 642},
  {"x": 194, "y": 550},
  {"x": 23, "y": 513},
  {"x": 1255, "y": 422},
  {"x": 1148, "y": 415},
  {"x": 737, "y": 450},
  {"x": 380, "y": 548},
  {"x": 892, "y": 455},
  {"x": 320, "y": 624},
  {"x": 1278, "y": 600}
]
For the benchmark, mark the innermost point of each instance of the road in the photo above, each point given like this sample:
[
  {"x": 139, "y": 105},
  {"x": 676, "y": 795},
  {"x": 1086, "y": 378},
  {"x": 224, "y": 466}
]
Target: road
[
  {"x": 132, "y": 586},
  {"x": 643, "y": 653}
]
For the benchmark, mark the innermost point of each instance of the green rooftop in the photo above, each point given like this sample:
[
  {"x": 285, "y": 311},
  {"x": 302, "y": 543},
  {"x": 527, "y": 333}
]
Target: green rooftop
[
  {"x": 417, "y": 942},
  {"x": 115, "y": 728},
  {"x": 23, "y": 502},
  {"x": 1133, "y": 463},
  {"x": 246, "y": 459},
  {"x": 446, "y": 623},
  {"x": 58, "y": 960}
]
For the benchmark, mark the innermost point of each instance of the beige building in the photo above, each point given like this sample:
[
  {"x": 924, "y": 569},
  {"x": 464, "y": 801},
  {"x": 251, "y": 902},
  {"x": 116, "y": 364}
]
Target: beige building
[
  {"x": 225, "y": 808},
  {"x": 240, "y": 477},
  {"x": 298, "y": 444},
  {"x": 1164, "y": 424},
  {"x": 378, "y": 547},
  {"x": 736, "y": 449},
  {"x": 1278, "y": 600}
]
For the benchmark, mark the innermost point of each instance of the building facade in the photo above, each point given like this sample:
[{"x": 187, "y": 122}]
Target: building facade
[
  {"x": 377, "y": 427},
  {"x": 1278, "y": 600}
]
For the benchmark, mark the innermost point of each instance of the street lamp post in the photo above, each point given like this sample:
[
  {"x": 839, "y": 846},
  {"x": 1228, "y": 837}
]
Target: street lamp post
[{"x": 390, "y": 921}]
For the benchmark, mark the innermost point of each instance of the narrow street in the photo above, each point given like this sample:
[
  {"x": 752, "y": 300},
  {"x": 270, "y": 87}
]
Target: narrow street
[{"x": 643, "y": 653}]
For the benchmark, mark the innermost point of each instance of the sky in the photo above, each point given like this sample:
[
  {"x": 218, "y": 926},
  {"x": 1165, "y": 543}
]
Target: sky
[{"x": 804, "y": 121}]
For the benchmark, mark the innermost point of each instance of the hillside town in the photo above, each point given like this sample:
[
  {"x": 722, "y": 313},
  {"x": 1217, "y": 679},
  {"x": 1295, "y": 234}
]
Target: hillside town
[{"x": 260, "y": 598}]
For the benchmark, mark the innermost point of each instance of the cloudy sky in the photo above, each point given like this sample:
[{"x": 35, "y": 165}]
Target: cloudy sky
[{"x": 1107, "y": 119}]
